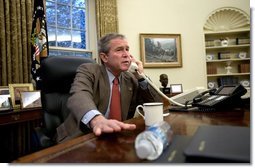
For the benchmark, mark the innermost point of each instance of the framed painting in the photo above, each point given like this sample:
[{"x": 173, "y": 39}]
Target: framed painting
[
  {"x": 30, "y": 99},
  {"x": 161, "y": 50},
  {"x": 15, "y": 90}
]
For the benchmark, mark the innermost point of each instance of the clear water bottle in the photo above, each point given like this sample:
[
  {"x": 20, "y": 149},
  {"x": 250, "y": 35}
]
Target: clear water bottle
[{"x": 150, "y": 143}]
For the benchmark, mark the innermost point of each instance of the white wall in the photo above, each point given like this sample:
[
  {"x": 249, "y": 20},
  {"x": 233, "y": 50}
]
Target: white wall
[{"x": 185, "y": 17}]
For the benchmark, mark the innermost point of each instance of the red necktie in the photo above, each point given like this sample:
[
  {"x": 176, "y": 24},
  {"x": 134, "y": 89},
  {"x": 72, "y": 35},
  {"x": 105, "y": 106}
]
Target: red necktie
[{"x": 115, "y": 108}]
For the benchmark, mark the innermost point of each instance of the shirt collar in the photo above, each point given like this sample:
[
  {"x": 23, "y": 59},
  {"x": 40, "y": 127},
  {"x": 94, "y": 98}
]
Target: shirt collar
[{"x": 111, "y": 76}]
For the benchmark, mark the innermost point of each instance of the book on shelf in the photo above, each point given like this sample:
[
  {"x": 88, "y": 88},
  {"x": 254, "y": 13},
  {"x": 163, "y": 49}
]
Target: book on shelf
[
  {"x": 211, "y": 69},
  {"x": 224, "y": 55},
  {"x": 243, "y": 41},
  {"x": 209, "y": 43},
  {"x": 233, "y": 41},
  {"x": 244, "y": 68},
  {"x": 227, "y": 55},
  {"x": 217, "y": 42}
]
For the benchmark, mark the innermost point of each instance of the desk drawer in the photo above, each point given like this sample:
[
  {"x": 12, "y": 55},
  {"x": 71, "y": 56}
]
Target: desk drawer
[
  {"x": 17, "y": 128},
  {"x": 22, "y": 116}
]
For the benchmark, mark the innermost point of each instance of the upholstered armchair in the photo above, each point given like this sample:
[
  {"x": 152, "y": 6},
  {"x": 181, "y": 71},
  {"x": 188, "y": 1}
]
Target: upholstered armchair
[{"x": 57, "y": 76}]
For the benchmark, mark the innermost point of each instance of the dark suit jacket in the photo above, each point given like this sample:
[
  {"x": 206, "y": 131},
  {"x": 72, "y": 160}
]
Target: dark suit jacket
[{"x": 91, "y": 90}]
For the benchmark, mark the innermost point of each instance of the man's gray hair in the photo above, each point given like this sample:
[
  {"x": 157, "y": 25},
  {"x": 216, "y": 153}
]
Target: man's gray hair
[{"x": 103, "y": 44}]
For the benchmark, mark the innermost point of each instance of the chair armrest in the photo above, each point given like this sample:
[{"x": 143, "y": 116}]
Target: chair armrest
[{"x": 43, "y": 140}]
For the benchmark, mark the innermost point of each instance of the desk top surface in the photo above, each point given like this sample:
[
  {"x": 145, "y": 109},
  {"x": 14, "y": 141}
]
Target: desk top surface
[{"x": 119, "y": 147}]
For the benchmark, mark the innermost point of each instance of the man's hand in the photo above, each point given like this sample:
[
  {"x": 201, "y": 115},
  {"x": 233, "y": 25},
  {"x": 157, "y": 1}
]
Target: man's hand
[
  {"x": 100, "y": 125},
  {"x": 140, "y": 67}
]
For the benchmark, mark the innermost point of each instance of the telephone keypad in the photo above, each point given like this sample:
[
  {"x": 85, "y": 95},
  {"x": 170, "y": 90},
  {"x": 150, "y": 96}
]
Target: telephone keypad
[{"x": 212, "y": 100}]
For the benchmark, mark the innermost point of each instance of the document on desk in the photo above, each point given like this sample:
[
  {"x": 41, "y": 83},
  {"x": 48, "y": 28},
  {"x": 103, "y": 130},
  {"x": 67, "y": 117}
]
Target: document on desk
[{"x": 219, "y": 144}]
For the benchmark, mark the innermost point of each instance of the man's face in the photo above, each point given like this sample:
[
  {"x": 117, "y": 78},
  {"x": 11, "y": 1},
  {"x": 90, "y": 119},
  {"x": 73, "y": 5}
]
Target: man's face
[
  {"x": 164, "y": 81},
  {"x": 118, "y": 58}
]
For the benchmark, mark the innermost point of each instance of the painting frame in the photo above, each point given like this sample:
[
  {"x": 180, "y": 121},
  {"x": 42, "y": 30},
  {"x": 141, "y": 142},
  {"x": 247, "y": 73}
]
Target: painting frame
[
  {"x": 160, "y": 50},
  {"x": 30, "y": 99},
  {"x": 15, "y": 90},
  {"x": 4, "y": 90}
]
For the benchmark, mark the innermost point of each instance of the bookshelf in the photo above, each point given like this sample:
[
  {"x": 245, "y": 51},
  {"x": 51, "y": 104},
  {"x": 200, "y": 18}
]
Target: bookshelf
[
  {"x": 228, "y": 64},
  {"x": 227, "y": 48}
]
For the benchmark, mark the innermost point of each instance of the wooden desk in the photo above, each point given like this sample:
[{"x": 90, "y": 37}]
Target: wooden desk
[
  {"x": 119, "y": 147},
  {"x": 16, "y": 129},
  {"x": 20, "y": 115}
]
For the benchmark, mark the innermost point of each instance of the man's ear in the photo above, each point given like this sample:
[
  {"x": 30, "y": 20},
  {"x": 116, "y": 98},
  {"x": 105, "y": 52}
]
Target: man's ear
[{"x": 103, "y": 57}]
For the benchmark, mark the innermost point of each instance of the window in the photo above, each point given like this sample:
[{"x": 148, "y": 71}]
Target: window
[{"x": 68, "y": 27}]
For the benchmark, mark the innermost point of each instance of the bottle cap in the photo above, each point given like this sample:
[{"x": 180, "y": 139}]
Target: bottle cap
[{"x": 144, "y": 149}]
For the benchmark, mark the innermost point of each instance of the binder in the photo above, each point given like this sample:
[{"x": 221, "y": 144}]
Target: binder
[{"x": 219, "y": 144}]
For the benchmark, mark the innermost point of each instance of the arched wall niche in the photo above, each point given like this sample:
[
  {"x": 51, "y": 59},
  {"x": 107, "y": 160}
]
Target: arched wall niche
[{"x": 227, "y": 19}]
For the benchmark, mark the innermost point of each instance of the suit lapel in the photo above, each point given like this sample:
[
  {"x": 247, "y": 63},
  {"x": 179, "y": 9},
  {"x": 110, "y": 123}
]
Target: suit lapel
[
  {"x": 126, "y": 93},
  {"x": 105, "y": 89}
]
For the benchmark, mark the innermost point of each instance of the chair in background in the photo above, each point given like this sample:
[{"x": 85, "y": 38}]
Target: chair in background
[{"x": 57, "y": 76}]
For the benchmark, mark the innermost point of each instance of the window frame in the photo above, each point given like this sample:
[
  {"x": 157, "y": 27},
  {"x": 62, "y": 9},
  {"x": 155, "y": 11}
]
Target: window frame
[{"x": 91, "y": 33}]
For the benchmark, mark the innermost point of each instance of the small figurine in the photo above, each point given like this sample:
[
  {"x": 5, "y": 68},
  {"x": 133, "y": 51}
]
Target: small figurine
[{"x": 163, "y": 78}]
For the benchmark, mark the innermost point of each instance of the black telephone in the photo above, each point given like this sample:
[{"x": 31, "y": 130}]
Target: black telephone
[{"x": 224, "y": 96}]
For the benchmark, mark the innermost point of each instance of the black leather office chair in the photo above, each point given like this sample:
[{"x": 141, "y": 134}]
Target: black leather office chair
[{"x": 58, "y": 73}]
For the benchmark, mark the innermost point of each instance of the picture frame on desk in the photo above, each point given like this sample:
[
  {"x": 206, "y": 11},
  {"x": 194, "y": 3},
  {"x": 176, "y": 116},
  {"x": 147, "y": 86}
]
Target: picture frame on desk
[
  {"x": 4, "y": 90},
  {"x": 5, "y": 103},
  {"x": 15, "y": 90},
  {"x": 161, "y": 50},
  {"x": 5, "y": 99},
  {"x": 30, "y": 99},
  {"x": 176, "y": 88}
]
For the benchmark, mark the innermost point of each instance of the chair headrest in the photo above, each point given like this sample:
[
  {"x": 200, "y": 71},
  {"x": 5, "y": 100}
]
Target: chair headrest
[{"x": 58, "y": 72}]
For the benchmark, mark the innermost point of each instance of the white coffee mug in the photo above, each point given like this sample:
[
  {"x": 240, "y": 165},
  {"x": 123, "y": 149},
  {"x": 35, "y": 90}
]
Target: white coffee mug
[{"x": 153, "y": 112}]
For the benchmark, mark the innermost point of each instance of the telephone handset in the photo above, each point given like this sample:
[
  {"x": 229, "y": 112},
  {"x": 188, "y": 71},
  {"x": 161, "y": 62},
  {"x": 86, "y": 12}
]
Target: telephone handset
[
  {"x": 133, "y": 67},
  {"x": 222, "y": 97}
]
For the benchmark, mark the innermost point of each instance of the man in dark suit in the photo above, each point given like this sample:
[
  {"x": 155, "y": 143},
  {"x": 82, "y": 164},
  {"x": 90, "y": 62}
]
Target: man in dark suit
[{"x": 90, "y": 98}]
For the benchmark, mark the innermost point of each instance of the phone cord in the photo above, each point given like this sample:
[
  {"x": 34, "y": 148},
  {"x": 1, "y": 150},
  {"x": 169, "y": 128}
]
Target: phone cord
[{"x": 162, "y": 94}]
